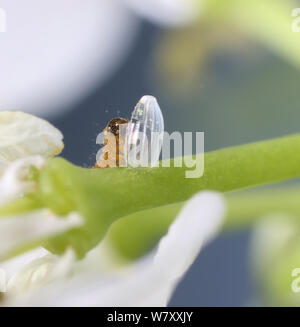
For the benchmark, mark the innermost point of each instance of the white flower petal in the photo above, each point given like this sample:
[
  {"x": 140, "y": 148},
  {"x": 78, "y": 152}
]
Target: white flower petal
[
  {"x": 197, "y": 223},
  {"x": 17, "y": 232},
  {"x": 15, "y": 264},
  {"x": 23, "y": 135},
  {"x": 151, "y": 281},
  {"x": 14, "y": 183},
  {"x": 41, "y": 271}
]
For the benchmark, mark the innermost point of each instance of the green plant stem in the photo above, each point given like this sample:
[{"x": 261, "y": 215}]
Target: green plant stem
[{"x": 102, "y": 196}]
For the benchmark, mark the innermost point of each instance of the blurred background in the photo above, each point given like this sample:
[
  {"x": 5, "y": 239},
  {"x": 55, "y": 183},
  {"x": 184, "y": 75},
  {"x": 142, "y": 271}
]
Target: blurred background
[{"x": 228, "y": 68}]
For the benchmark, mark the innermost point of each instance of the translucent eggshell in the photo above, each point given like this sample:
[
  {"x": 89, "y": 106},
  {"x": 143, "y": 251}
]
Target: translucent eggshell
[{"x": 145, "y": 133}]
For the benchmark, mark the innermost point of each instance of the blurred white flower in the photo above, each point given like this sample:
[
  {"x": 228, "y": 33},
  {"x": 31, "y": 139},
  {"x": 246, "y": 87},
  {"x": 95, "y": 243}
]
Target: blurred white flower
[
  {"x": 167, "y": 12},
  {"x": 55, "y": 52},
  {"x": 49, "y": 281},
  {"x": 274, "y": 254}
]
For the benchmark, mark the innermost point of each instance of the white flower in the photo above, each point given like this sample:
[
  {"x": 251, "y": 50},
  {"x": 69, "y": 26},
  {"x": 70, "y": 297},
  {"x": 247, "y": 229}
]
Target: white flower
[
  {"x": 149, "y": 282},
  {"x": 34, "y": 269},
  {"x": 14, "y": 181},
  {"x": 68, "y": 48},
  {"x": 24, "y": 135},
  {"x": 71, "y": 47},
  {"x": 26, "y": 230},
  {"x": 26, "y": 141}
]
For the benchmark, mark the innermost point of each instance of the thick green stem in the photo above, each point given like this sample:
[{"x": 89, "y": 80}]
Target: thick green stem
[{"x": 131, "y": 190}]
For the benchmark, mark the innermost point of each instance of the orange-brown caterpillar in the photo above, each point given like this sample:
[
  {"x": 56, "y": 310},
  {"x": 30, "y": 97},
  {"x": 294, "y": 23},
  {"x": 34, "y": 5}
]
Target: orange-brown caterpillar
[
  {"x": 112, "y": 153},
  {"x": 145, "y": 128}
]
